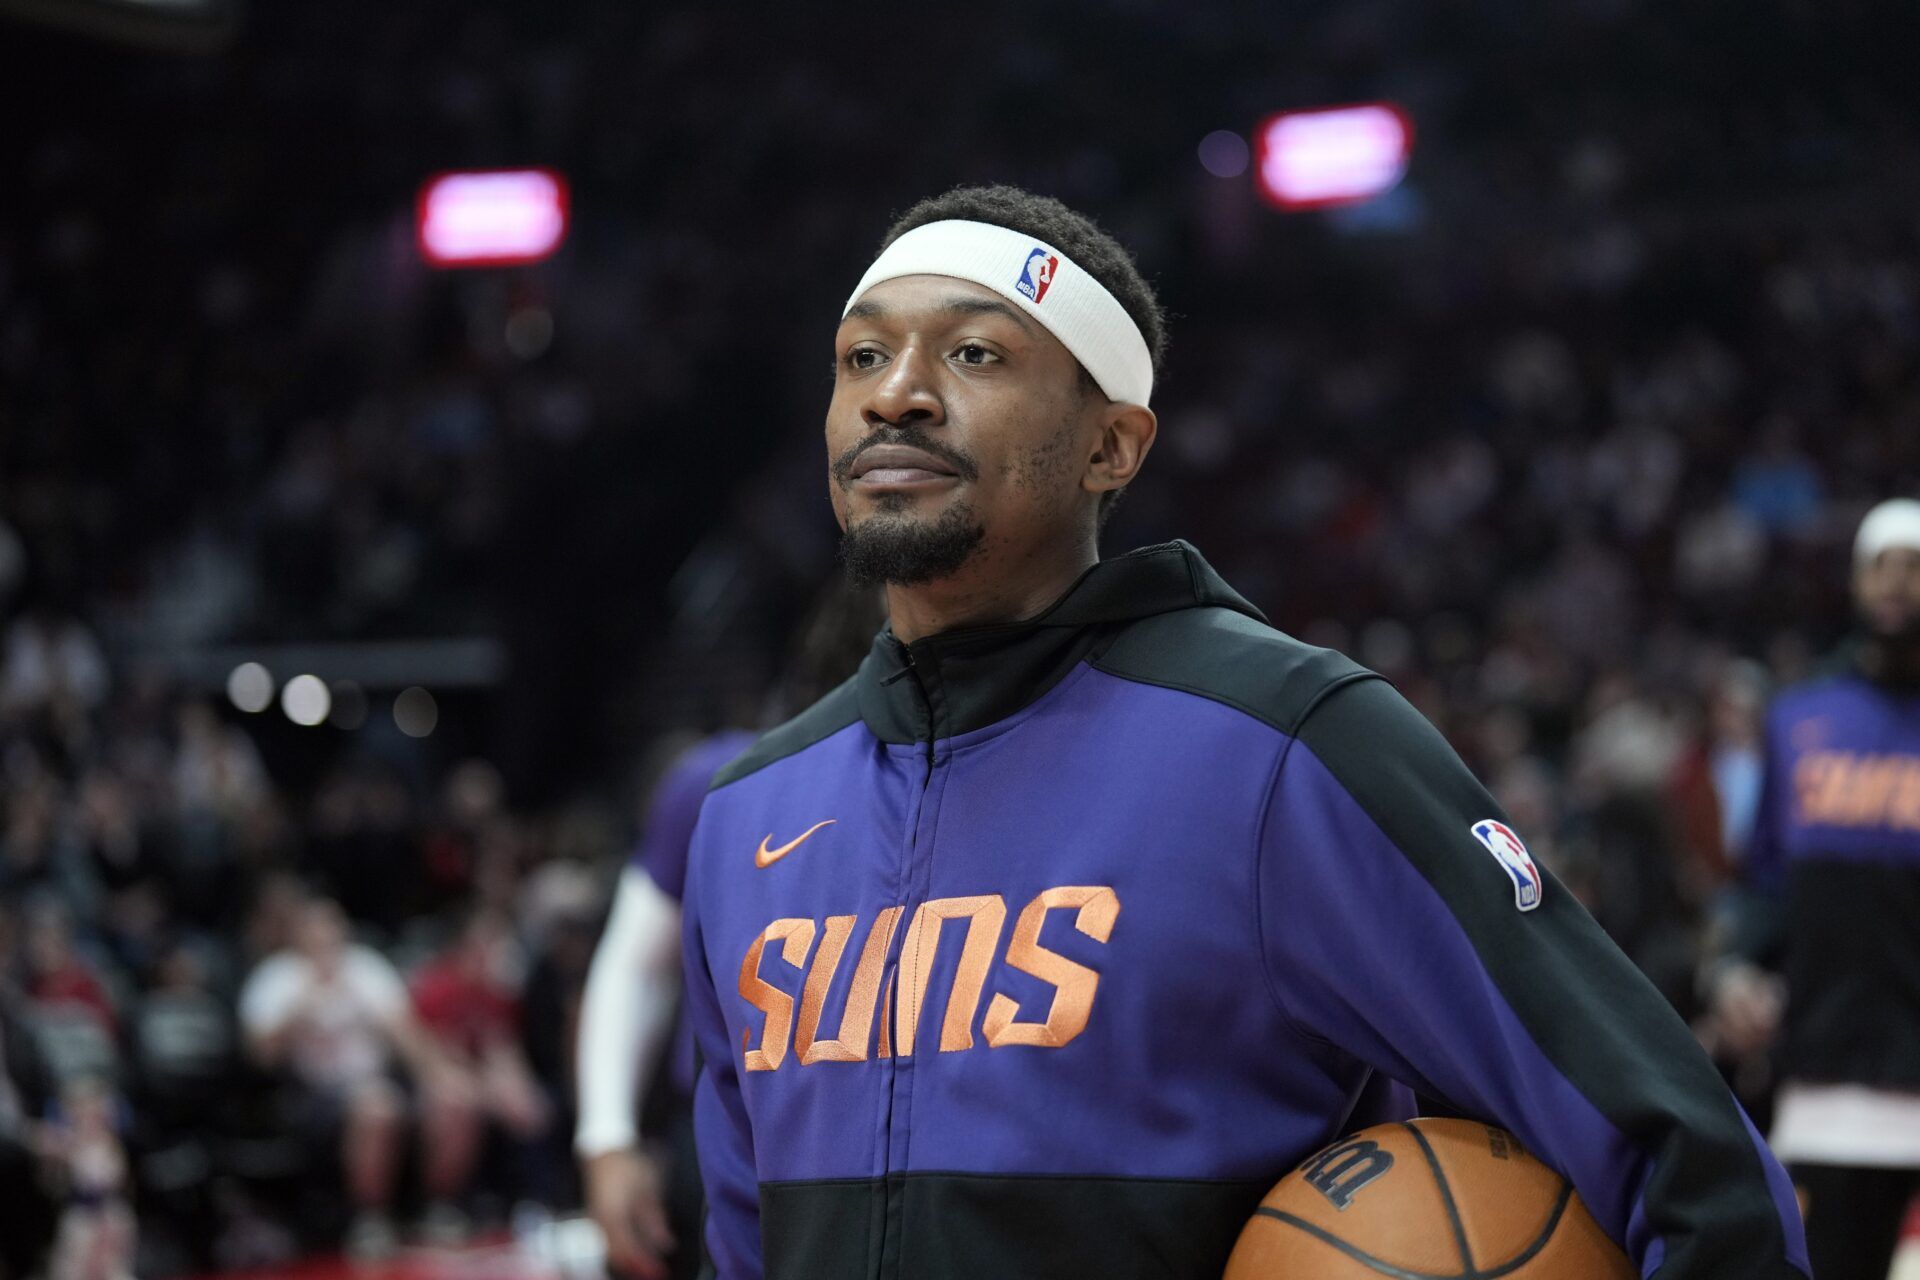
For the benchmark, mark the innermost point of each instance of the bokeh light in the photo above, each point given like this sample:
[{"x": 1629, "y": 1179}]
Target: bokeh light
[
  {"x": 1335, "y": 156},
  {"x": 250, "y": 688},
  {"x": 415, "y": 712},
  {"x": 492, "y": 218},
  {"x": 306, "y": 700},
  {"x": 529, "y": 332},
  {"x": 1224, "y": 154}
]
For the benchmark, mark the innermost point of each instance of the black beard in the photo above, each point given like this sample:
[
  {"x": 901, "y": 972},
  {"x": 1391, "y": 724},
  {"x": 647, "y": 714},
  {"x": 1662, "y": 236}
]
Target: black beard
[
  {"x": 1905, "y": 636},
  {"x": 1892, "y": 657},
  {"x": 895, "y": 550}
]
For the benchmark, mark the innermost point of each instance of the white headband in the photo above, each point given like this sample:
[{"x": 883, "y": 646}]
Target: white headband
[
  {"x": 1894, "y": 523},
  {"x": 1041, "y": 281}
]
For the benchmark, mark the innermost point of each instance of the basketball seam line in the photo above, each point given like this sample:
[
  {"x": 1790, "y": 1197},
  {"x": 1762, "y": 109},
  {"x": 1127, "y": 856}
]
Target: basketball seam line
[
  {"x": 1446, "y": 1198},
  {"x": 1358, "y": 1254},
  {"x": 1386, "y": 1268},
  {"x": 1540, "y": 1241}
]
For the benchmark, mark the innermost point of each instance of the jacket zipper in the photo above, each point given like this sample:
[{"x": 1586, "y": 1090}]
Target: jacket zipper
[{"x": 892, "y": 1243}]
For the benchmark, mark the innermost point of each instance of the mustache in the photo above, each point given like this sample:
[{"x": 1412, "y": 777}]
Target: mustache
[{"x": 913, "y": 438}]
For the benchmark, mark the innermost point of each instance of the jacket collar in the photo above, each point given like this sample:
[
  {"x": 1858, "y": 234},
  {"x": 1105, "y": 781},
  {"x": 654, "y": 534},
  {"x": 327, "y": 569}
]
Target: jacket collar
[{"x": 965, "y": 679}]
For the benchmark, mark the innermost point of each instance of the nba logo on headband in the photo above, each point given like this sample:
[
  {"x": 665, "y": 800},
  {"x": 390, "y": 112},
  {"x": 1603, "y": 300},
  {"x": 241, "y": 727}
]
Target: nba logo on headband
[
  {"x": 1090, "y": 322},
  {"x": 1037, "y": 275}
]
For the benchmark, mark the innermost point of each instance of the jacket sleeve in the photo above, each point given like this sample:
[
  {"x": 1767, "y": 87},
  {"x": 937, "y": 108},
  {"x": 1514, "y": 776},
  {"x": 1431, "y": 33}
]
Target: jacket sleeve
[
  {"x": 1395, "y": 933},
  {"x": 721, "y": 1128},
  {"x": 674, "y": 809},
  {"x": 626, "y": 1013}
]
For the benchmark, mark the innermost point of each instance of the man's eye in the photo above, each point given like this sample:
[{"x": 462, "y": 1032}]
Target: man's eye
[
  {"x": 974, "y": 353},
  {"x": 862, "y": 358}
]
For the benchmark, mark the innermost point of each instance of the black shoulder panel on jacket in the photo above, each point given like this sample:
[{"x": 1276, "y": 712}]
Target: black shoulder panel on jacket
[
  {"x": 1591, "y": 1012},
  {"x": 1229, "y": 657},
  {"x": 823, "y": 719}
]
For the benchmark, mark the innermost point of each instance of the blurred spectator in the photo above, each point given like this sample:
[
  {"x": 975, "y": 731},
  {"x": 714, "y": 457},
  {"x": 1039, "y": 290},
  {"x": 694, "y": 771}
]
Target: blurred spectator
[
  {"x": 27, "y": 1087},
  {"x": 39, "y": 860},
  {"x": 216, "y": 770},
  {"x": 364, "y": 847},
  {"x": 95, "y": 1239},
  {"x": 551, "y": 1004},
  {"x": 273, "y": 916},
  {"x": 335, "y": 1016},
  {"x": 184, "y": 1043},
  {"x": 119, "y": 849},
  {"x": 466, "y": 999},
  {"x": 1715, "y": 786},
  {"x": 1777, "y": 484},
  {"x": 57, "y": 978},
  {"x": 473, "y": 807},
  {"x": 218, "y": 786},
  {"x": 50, "y": 659}
]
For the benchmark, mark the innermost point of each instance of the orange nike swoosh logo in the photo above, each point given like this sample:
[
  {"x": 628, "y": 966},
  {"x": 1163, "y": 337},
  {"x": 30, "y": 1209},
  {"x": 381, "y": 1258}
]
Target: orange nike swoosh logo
[{"x": 765, "y": 857}]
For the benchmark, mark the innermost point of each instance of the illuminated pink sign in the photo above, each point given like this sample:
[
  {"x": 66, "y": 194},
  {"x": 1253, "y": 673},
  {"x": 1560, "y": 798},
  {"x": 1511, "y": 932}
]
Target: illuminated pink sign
[
  {"x": 1340, "y": 155},
  {"x": 492, "y": 218}
]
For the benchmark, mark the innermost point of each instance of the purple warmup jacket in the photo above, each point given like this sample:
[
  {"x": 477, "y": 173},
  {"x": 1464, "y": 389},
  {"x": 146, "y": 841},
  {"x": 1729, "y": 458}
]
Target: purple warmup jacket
[
  {"x": 1835, "y": 862},
  {"x": 675, "y": 808},
  {"x": 1044, "y": 950}
]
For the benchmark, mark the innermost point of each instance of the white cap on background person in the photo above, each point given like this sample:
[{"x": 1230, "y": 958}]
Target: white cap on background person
[{"x": 1894, "y": 523}]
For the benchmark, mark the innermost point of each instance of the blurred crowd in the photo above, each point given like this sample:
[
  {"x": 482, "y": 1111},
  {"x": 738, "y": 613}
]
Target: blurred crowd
[
  {"x": 270, "y": 1023},
  {"x": 1567, "y": 436}
]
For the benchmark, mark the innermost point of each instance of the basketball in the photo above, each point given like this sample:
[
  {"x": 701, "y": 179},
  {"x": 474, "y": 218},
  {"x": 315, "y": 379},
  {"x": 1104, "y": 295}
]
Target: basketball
[{"x": 1434, "y": 1199}]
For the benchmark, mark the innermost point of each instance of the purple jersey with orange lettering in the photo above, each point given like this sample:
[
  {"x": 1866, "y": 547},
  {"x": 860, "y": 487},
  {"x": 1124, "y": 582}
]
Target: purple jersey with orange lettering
[
  {"x": 1836, "y": 852},
  {"x": 1045, "y": 949}
]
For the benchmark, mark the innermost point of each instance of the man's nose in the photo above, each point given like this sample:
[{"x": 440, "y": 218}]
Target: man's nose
[{"x": 905, "y": 393}]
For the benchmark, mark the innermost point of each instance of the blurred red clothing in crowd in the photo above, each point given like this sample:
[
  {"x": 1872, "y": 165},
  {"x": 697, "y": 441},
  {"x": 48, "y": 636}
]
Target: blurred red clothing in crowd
[{"x": 467, "y": 1010}]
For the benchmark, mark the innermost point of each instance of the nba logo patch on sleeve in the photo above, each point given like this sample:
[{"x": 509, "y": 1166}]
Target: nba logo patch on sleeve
[
  {"x": 1507, "y": 848},
  {"x": 1037, "y": 276}
]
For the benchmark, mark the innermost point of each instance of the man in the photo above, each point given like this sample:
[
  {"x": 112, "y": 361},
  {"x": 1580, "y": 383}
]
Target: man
[
  {"x": 335, "y": 1015},
  {"x": 471, "y": 1009},
  {"x": 1833, "y": 891},
  {"x": 627, "y": 1013},
  {"x": 634, "y": 985},
  {"x": 1088, "y": 907}
]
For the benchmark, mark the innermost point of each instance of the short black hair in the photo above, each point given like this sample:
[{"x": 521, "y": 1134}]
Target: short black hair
[
  {"x": 1049, "y": 221},
  {"x": 1074, "y": 234}
]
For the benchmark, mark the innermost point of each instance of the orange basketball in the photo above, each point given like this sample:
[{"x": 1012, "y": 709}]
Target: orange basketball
[{"x": 1425, "y": 1200}]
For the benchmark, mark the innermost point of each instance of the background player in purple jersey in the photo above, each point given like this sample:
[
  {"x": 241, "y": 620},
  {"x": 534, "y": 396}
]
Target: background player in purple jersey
[
  {"x": 1832, "y": 899},
  {"x": 627, "y": 1013}
]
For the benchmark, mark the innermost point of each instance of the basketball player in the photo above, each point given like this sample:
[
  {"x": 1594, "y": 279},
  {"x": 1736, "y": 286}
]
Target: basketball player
[
  {"x": 1086, "y": 909},
  {"x": 1834, "y": 880},
  {"x": 627, "y": 1014}
]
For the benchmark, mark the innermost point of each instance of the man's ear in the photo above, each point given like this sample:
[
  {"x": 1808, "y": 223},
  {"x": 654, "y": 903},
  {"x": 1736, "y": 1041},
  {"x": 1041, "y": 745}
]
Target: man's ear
[{"x": 1126, "y": 434}]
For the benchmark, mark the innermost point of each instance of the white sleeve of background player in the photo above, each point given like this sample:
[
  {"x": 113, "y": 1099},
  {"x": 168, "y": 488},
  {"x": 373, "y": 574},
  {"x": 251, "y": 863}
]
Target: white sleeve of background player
[{"x": 626, "y": 1012}]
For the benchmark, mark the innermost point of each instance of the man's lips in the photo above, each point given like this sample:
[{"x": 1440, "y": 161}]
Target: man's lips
[{"x": 898, "y": 464}]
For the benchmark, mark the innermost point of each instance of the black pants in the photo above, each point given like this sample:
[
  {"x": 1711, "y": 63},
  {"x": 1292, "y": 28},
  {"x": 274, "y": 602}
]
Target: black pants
[
  {"x": 28, "y": 1217},
  {"x": 1853, "y": 1217}
]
